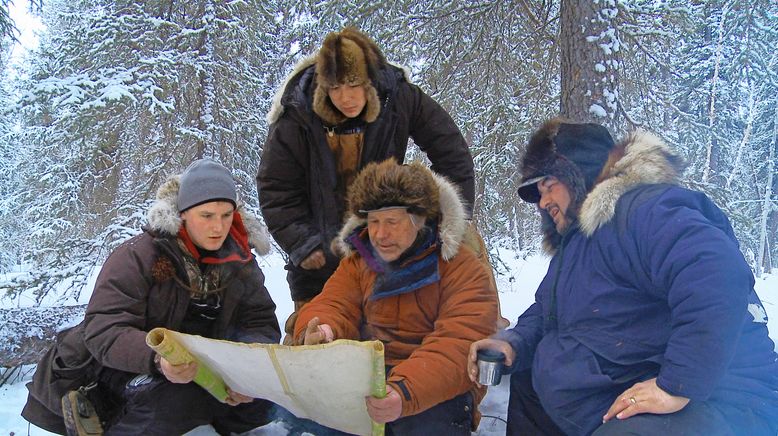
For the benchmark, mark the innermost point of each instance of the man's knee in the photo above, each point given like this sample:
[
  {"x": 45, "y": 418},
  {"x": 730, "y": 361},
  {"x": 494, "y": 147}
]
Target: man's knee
[
  {"x": 243, "y": 417},
  {"x": 162, "y": 407},
  {"x": 695, "y": 418},
  {"x": 452, "y": 417},
  {"x": 525, "y": 412}
]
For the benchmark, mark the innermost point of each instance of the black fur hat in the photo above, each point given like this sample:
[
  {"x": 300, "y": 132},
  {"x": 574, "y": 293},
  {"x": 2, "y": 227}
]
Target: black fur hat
[{"x": 574, "y": 153}]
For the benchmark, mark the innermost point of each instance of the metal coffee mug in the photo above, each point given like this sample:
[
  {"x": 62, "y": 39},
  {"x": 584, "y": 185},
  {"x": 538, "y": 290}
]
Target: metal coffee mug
[{"x": 490, "y": 365}]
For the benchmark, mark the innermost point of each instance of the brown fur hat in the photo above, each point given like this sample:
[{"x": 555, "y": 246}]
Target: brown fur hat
[
  {"x": 574, "y": 153},
  {"x": 388, "y": 184},
  {"x": 347, "y": 57}
]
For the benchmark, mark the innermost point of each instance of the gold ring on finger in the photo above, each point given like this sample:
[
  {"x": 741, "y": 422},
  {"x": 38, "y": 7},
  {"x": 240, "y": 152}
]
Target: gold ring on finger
[{"x": 633, "y": 400}]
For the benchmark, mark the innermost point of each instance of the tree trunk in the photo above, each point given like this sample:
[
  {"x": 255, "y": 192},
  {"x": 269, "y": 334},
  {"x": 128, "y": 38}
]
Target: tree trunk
[
  {"x": 761, "y": 265},
  {"x": 589, "y": 49}
]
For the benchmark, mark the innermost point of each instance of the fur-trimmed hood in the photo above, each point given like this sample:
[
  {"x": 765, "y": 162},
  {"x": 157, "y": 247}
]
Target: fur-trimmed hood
[
  {"x": 163, "y": 217},
  {"x": 646, "y": 159},
  {"x": 451, "y": 228}
]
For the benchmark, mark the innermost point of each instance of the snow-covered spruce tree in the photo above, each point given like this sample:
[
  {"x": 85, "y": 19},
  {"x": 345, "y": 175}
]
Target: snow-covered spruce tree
[
  {"x": 492, "y": 66},
  {"x": 10, "y": 228},
  {"x": 723, "y": 106},
  {"x": 121, "y": 95},
  {"x": 479, "y": 76},
  {"x": 702, "y": 75}
]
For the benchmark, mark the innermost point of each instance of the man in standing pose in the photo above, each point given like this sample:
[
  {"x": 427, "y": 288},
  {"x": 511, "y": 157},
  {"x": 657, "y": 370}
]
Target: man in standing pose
[{"x": 338, "y": 111}]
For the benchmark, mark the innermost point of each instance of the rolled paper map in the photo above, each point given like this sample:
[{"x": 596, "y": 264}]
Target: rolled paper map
[
  {"x": 378, "y": 389},
  {"x": 163, "y": 343}
]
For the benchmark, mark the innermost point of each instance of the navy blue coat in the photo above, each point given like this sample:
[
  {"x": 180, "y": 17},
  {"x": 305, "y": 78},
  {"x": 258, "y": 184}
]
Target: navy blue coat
[{"x": 660, "y": 290}]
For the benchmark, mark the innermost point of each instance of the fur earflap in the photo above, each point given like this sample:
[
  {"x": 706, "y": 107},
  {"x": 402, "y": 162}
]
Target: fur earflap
[{"x": 323, "y": 107}]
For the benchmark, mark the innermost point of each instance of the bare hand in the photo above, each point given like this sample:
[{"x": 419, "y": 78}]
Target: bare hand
[
  {"x": 644, "y": 397},
  {"x": 235, "y": 398},
  {"x": 489, "y": 344},
  {"x": 314, "y": 260},
  {"x": 387, "y": 409},
  {"x": 316, "y": 333},
  {"x": 178, "y": 373}
]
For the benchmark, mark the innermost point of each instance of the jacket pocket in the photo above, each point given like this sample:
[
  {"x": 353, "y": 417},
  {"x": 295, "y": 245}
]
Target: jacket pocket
[{"x": 67, "y": 365}]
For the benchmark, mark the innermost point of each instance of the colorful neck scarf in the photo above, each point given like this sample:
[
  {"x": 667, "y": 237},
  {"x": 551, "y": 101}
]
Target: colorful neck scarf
[
  {"x": 414, "y": 269},
  {"x": 234, "y": 249}
]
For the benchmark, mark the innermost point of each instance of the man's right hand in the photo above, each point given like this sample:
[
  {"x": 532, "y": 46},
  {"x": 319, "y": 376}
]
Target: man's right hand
[
  {"x": 314, "y": 260},
  {"x": 316, "y": 333},
  {"x": 490, "y": 344},
  {"x": 178, "y": 373}
]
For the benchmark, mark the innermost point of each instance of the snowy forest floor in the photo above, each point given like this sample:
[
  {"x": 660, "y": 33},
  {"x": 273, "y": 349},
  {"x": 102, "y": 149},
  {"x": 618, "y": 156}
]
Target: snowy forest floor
[{"x": 517, "y": 286}]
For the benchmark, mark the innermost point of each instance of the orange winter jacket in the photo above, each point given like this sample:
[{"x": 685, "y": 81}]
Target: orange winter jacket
[{"x": 426, "y": 333}]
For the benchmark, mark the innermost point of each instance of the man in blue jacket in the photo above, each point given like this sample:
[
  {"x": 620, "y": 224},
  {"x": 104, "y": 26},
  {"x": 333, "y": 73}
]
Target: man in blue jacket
[{"x": 647, "y": 321}]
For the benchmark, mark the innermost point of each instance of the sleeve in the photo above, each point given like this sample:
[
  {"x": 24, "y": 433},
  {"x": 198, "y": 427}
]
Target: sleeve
[
  {"x": 256, "y": 321},
  {"x": 339, "y": 304},
  {"x": 524, "y": 338},
  {"x": 115, "y": 320},
  {"x": 437, "y": 369},
  {"x": 688, "y": 249},
  {"x": 282, "y": 183},
  {"x": 435, "y": 132}
]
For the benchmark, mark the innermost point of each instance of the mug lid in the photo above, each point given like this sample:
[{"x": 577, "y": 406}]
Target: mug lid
[{"x": 488, "y": 355}]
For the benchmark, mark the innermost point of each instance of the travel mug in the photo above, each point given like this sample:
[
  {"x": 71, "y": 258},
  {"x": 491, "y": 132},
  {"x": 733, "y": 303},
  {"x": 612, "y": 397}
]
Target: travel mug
[{"x": 490, "y": 365}]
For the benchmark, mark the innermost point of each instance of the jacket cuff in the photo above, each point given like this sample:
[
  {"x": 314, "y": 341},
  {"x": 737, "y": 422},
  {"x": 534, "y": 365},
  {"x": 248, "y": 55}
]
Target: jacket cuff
[
  {"x": 683, "y": 389},
  {"x": 298, "y": 255},
  {"x": 405, "y": 395},
  {"x": 515, "y": 341}
]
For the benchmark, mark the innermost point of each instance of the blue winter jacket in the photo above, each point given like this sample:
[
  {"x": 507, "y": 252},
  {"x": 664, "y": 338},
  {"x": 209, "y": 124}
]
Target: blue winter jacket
[{"x": 653, "y": 285}]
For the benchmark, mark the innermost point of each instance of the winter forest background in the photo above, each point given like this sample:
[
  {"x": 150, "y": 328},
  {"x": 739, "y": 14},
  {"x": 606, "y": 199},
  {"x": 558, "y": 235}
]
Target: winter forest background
[{"x": 119, "y": 95}]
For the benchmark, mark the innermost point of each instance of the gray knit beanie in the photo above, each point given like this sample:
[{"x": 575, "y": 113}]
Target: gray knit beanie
[{"x": 203, "y": 181}]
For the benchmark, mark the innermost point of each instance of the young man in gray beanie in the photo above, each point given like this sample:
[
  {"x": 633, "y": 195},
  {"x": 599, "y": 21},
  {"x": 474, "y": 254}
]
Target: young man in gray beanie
[
  {"x": 191, "y": 270},
  {"x": 339, "y": 110},
  {"x": 647, "y": 321}
]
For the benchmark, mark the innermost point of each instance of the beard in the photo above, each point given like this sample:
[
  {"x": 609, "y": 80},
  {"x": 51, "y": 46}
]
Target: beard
[{"x": 552, "y": 237}]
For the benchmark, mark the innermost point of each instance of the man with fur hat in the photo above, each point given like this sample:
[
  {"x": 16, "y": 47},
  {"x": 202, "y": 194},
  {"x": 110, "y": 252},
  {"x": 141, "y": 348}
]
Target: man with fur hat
[
  {"x": 191, "y": 270},
  {"x": 408, "y": 281},
  {"x": 339, "y": 110},
  {"x": 647, "y": 321}
]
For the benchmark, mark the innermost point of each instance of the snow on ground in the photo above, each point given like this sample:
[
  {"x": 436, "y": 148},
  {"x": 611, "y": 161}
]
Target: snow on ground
[{"x": 517, "y": 287}]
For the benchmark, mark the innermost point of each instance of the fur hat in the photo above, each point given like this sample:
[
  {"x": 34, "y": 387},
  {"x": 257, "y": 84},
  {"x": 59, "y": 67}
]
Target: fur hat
[
  {"x": 203, "y": 181},
  {"x": 574, "y": 153},
  {"x": 347, "y": 57},
  {"x": 387, "y": 184}
]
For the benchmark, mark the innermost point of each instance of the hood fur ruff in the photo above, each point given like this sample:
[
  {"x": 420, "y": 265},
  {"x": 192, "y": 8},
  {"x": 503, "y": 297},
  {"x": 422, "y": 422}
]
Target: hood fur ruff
[
  {"x": 277, "y": 109},
  {"x": 453, "y": 222},
  {"x": 163, "y": 217},
  {"x": 647, "y": 160}
]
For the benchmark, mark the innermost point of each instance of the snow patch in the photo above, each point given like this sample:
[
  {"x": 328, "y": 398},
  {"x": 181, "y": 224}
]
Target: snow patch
[
  {"x": 758, "y": 313},
  {"x": 597, "y": 111}
]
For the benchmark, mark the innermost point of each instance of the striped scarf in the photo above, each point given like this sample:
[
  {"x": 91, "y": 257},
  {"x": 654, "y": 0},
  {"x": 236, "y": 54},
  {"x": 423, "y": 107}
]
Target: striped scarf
[{"x": 415, "y": 268}]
